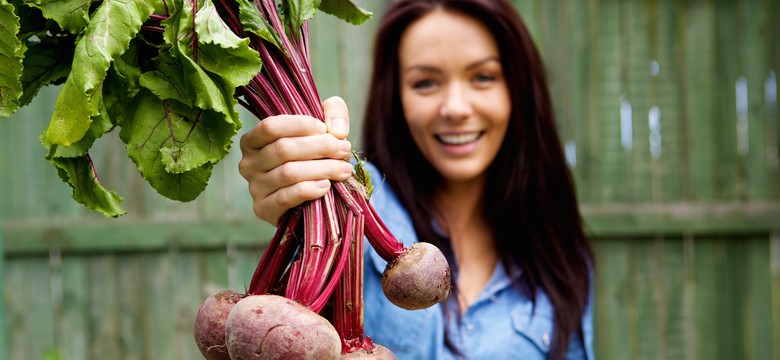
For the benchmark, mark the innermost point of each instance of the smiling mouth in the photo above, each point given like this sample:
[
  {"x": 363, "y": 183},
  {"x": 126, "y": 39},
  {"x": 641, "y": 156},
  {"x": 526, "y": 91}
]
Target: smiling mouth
[{"x": 459, "y": 139}]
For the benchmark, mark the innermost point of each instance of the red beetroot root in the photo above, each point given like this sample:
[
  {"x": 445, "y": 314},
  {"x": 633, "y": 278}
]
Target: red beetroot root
[
  {"x": 379, "y": 352},
  {"x": 275, "y": 327},
  {"x": 210, "y": 324},
  {"x": 418, "y": 278}
]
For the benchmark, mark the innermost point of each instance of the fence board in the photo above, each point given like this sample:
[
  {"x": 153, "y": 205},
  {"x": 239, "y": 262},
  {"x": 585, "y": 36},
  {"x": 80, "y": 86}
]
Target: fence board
[
  {"x": 699, "y": 94},
  {"x": 73, "y": 341}
]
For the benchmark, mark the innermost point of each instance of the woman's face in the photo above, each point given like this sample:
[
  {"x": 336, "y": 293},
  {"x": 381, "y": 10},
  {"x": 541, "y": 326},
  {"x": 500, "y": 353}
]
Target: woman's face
[{"x": 454, "y": 94}]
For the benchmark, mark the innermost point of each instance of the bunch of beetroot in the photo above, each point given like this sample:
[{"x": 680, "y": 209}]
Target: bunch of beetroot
[{"x": 305, "y": 299}]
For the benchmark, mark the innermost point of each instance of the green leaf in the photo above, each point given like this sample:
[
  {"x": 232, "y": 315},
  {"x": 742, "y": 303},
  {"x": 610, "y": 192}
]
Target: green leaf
[
  {"x": 174, "y": 146},
  {"x": 168, "y": 82},
  {"x": 11, "y": 55},
  {"x": 254, "y": 22},
  {"x": 207, "y": 90},
  {"x": 100, "y": 125},
  {"x": 221, "y": 51},
  {"x": 45, "y": 63},
  {"x": 71, "y": 15},
  {"x": 112, "y": 26},
  {"x": 346, "y": 10},
  {"x": 75, "y": 168},
  {"x": 87, "y": 188},
  {"x": 361, "y": 175},
  {"x": 299, "y": 11}
]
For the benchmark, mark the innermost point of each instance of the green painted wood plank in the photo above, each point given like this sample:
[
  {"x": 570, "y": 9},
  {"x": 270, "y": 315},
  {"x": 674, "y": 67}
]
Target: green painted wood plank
[
  {"x": 607, "y": 127},
  {"x": 729, "y": 171},
  {"x": 636, "y": 100},
  {"x": 670, "y": 169},
  {"x": 773, "y": 59},
  {"x": 648, "y": 281},
  {"x": 612, "y": 339},
  {"x": 699, "y": 93},
  {"x": 214, "y": 268},
  {"x": 708, "y": 262},
  {"x": 774, "y": 251},
  {"x": 247, "y": 259},
  {"x": 690, "y": 331},
  {"x": 671, "y": 261},
  {"x": 159, "y": 309},
  {"x": 579, "y": 83},
  {"x": 678, "y": 218},
  {"x": 36, "y": 289},
  {"x": 188, "y": 278},
  {"x": 732, "y": 290},
  {"x": 72, "y": 322},
  {"x": 530, "y": 13},
  {"x": 358, "y": 44},
  {"x": 588, "y": 169},
  {"x": 758, "y": 325},
  {"x": 16, "y": 307},
  {"x": 104, "y": 308},
  {"x": 131, "y": 284},
  {"x": 757, "y": 42},
  {"x": 3, "y": 323},
  {"x": 132, "y": 234},
  {"x": 126, "y": 234}
]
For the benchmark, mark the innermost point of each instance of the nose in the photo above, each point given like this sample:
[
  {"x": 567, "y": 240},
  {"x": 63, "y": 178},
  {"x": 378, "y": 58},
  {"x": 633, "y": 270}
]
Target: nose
[{"x": 456, "y": 104}]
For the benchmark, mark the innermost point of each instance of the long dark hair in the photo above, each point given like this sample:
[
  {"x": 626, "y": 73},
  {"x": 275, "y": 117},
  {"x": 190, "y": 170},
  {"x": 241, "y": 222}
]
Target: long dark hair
[{"x": 529, "y": 197}]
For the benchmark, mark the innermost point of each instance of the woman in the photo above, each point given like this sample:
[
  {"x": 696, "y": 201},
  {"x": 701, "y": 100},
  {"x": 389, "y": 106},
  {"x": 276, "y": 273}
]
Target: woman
[{"x": 459, "y": 123}]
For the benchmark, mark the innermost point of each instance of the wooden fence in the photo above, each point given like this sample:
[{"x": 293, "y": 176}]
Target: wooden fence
[{"x": 668, "y": 112}]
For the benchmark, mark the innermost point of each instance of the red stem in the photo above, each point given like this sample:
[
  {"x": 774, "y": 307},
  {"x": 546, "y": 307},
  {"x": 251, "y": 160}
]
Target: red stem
[
  {"x": 277, "y": 256},
  {"x": 380, "y": 237}
]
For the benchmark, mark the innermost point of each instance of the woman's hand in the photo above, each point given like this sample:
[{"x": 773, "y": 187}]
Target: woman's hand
[{"x": 289, "y": 159}]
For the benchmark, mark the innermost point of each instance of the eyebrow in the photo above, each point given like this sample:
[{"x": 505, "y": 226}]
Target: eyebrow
[{"x": 430, "y": 68}]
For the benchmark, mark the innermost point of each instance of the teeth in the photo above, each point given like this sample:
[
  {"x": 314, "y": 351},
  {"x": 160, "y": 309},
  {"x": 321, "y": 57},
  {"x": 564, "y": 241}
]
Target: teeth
[{"x": 459, "y": 139}]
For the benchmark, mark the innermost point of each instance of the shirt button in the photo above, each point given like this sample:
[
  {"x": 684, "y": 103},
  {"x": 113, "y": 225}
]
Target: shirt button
[
  {"x": 492, "y": 298},
  {"x": 546, "y": 339},
  {"x": 470, "y": 327}
]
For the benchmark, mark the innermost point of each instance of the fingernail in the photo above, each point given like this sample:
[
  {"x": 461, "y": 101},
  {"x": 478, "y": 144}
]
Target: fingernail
[
  {"x": 322, "y": 183},
  {"x": 338, "y": 127},
  {"x": 346, "y": 168},
  {"x": 344, "y": 145}
]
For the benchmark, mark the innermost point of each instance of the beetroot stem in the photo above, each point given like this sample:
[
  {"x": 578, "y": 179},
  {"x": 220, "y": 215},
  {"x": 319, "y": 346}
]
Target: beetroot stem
[
  {"x": 338, "y": 271},
  {"x": 348, "y": 299},
  {"x": 380, "y": 237},
  {"x": 277, "y": 256}
]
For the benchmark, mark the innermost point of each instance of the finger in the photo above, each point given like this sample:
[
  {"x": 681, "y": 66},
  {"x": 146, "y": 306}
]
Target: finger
[
  {"x": 299, "y": 171},
  {"x": 276, "y": 204},
  {"x": 315, "y": 147},
  {"x": 336, "y": 116},
  {"x": 278, "y": 190},
  {"x": 272, "y": 128}
]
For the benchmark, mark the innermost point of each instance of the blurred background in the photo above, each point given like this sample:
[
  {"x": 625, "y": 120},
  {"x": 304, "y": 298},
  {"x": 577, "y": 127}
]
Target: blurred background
[{"x": 668, "y": 113}]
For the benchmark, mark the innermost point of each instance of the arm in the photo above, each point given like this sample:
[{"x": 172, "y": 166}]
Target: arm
[{"x": 288, "y": 159}]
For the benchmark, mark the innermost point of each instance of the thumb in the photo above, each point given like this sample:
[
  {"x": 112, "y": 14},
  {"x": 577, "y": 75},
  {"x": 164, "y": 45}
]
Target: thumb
[{"x": 336, "y": 116}]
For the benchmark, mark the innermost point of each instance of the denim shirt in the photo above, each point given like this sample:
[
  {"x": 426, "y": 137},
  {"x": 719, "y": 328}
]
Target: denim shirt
[{"x": 500, "y": 324}]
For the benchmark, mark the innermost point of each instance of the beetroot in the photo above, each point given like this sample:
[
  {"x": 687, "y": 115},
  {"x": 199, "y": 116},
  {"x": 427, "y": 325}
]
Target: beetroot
[
  {"x": 418, "y": 278},
  {"x": 210, "y": 324},
  {"x": 275, "y": 327}
]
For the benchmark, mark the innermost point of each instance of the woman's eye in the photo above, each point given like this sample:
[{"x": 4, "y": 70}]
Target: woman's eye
[
  {"x": 423, "y": 84},
  {"x": 484, "y": 78}
]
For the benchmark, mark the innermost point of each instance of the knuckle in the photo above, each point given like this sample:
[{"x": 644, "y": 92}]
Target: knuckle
[
  {"x": 269, "y": 127},
  {"x": 244, "y": 167},
  {"x": 286, "y": 173},
  {"x": 282, "y": 148},
  {"x": 330, "y": 145}
]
